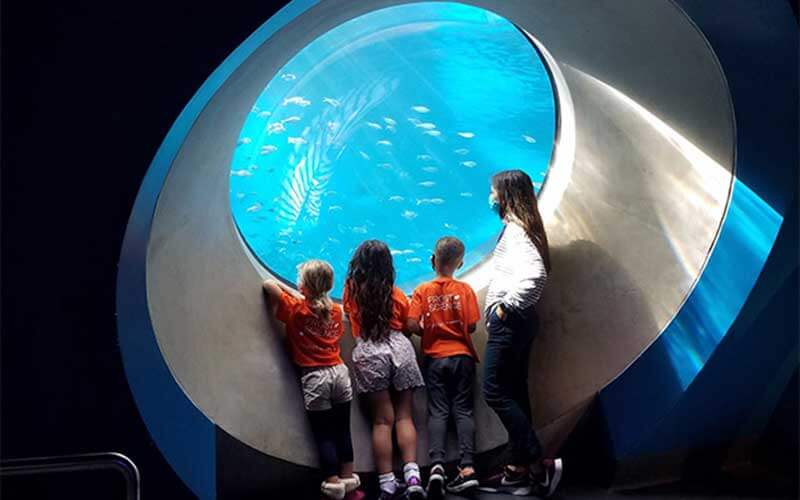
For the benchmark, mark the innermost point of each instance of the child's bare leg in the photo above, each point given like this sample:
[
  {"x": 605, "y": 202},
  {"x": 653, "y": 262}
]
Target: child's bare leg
[
  {"x": 406, "y": 432},
  {"x": 346, "y": 470},
  {"x": 383, "y": 420}
]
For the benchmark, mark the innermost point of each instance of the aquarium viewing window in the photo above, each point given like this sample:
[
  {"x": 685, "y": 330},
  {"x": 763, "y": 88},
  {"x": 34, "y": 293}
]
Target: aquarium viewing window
[{"x": 389, "y": 127}]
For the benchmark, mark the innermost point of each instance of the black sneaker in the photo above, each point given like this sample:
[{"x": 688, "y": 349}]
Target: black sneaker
[
  {"x": 462, "y": 482},
  {"x": 546, "y": 485},
  {"x": 436, "y": 482},
  {"x": 512, "y": 482}
]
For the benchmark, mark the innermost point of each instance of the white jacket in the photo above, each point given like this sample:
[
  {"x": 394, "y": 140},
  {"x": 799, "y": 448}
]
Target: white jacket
[{"x": 518, "y": 274}]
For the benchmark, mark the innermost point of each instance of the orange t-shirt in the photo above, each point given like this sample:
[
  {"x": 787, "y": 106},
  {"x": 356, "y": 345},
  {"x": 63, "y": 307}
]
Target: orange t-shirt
[
  {"x": 446, "y": 307},
  {"x": 399, "y": 310},
  {"x": 312, "y": 341}
]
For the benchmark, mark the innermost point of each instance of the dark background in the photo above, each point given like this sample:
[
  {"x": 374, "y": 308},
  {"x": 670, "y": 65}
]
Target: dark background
[{"x": 89, "y": 90}]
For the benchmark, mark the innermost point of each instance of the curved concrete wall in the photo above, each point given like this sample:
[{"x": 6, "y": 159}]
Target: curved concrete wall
[{"x": 644, "y": 200}]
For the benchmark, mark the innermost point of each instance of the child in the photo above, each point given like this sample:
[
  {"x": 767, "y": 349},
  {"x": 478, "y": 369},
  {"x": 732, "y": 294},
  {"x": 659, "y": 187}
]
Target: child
[
  {"x": 445, "y": 311},
  {"x": 384, "y": 362},
  {"x": 313, "y": 329}
]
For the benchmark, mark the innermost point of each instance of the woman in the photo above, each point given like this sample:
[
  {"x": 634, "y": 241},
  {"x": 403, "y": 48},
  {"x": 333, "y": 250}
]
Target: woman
[{"x": 521, "y": 263}]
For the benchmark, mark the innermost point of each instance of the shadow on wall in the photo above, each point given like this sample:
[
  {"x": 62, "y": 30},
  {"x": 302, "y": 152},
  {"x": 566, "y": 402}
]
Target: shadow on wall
[{"x": 590, "y": 312}]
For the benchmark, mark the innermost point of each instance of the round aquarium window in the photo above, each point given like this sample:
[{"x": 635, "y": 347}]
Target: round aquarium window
[{"x": 389, "y": 127}]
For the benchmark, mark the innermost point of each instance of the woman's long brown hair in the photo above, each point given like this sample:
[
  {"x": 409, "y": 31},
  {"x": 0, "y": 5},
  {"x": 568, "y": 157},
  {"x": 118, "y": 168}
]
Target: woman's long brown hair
[{"x": 515, "y": 196}]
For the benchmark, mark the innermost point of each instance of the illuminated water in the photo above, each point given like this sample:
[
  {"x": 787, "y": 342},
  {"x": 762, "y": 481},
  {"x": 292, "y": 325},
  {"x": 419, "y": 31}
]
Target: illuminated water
[{"x": 390, "y": 127}]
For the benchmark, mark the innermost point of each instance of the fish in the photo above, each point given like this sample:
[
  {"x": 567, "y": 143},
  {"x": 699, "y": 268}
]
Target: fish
[
  {"x": 333, "y": 102},
  {"x": 334, "y": 208},
  {"x": 255, "y": 109},
  {"x": 414, "y": 259},
  {"x": 416, "y": 245},
  {"x": 391, "y": 129},
  {"x": 466, "y": 135},
  {"x": 414, "y": 121},
  {"x": 241, "y": 173},
  {"x": 430, "y": 201},
  {"x": 359, "y": 229},
  {"x": 332, "y": 126},
  {"x": 264, "y": 114},
  {"x": 529, "y": 139},
  {"x": 420, "y": 109},
  {"x": 265, "y": 150},
  {"x": 243, "y": 140},
  {"x": 408, "y": 214},
  {"x": 383, "y": 142},
  {"x": 288, "y": 77},
  {"x": 376, "y": 126},
  {"x": 430, "y": 170},
  {"x": 450, "y": 226},
  {"x": 252, "y": 167},
  {"x": 275, "y": 128},
  {"x": 427, "y": 184},
  {"x": 433, "y": 133},
  {"x": 291, "y": 119},
  {"x": 385, "y": 165},
  {"x": 389, "y": 121},
  {"x": 364, "y": 155},
  {"x": 426, "y": 125},
  {"x": 253, "y": 208},
  {"x": 396, "y": 198},
  {"x": 461, "y": 151},
  {"x": 297, "y": 141},
  {"x": 299, "y": 101},
  {"x": 402, "y": 252},
  {"x": 330, "y": 192},
  {"x": 465, "y": 194},
  {"x": 241, "y": 196},
  {"x": 469, "y": 164},
  {"x": 424, "y": 157}
]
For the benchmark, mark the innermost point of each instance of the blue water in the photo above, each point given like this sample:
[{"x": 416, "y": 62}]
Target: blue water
[{"x": 390, "y": 126}]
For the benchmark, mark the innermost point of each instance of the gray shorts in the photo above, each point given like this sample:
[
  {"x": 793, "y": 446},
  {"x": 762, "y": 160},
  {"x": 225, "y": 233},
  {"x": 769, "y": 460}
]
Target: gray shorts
[
  {"x": 390, "y": 362},
  {"x": 325, "y": 386}
]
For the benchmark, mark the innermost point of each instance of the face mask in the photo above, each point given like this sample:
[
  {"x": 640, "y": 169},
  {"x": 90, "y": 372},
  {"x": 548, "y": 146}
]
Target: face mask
[{"x": 493, "y": 204}]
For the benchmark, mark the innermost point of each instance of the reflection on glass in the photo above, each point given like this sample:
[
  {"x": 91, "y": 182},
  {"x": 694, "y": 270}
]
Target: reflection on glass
[{"x": 389, "y": 126}]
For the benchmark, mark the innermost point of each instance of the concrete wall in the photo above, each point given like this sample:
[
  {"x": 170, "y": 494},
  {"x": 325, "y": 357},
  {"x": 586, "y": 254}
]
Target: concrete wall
[{"x": 646, "y": 194}]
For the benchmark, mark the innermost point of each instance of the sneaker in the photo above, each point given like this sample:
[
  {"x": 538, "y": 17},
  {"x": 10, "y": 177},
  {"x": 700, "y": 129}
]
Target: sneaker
[
  {"x": 436, "y": 483},
  {"x": 334, "y": 491},
  {"x": 355, "y": 495},
  {"x": 414, "y": 489},
  {"x": 546, "y": 486},
  {"x": 385, "y": 495},
  {"x": 462, "y": 482},
  {"x": 512, "y": 482},
  {"x": 351, "y": 483}
]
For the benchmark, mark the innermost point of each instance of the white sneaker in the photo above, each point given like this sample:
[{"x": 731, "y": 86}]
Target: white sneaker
[{"x": 333, "y": 490}]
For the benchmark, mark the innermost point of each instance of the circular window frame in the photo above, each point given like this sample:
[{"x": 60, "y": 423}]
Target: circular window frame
[{"x": 562, "y": 154}]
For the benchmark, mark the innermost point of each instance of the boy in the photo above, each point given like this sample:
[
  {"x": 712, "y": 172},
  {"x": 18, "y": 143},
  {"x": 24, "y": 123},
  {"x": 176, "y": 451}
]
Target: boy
[{"x": 444, "y": 312}]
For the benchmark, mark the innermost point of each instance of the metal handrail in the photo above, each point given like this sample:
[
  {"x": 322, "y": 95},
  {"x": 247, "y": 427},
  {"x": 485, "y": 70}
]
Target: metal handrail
[{"x": 74, "y": 463}]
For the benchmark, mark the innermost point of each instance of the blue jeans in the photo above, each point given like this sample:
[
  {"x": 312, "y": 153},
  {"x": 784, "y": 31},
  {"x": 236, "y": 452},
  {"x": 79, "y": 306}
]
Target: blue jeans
[{"x": 505, "y": 379}]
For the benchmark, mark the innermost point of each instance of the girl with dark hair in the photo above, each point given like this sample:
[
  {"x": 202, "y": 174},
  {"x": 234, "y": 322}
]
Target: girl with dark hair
[
  {"x": 384, "y": 362},
  {"x": 521, "y": 263}
]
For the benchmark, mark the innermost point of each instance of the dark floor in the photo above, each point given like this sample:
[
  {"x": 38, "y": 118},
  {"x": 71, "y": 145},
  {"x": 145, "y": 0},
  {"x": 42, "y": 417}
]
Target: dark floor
[{"x": 577, "y": 493}]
